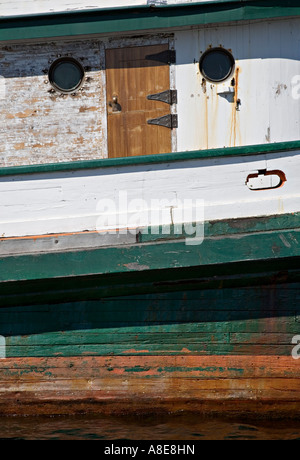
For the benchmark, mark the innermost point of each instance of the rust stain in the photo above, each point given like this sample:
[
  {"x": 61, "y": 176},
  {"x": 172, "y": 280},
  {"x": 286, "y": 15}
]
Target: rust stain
[
  {"x": 277, "y": 172},
  {"x": 215, "y": 105},
  {"x": 234, "y": 121},
  {"x": 281, "y": 87}
]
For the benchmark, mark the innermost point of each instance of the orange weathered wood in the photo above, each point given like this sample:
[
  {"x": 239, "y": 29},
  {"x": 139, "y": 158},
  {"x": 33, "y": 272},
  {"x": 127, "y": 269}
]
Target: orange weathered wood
[
  {"x": 131, "y": 77},
  {"x": 185, "y": 365},
  {"x": 141, "y": 383},
  {"x": 164, "y": 387}
]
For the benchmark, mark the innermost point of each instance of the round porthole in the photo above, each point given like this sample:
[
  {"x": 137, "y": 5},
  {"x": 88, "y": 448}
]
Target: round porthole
[
  {"x": 216, "y": 65},
  {"x": 66, "y": 75}
]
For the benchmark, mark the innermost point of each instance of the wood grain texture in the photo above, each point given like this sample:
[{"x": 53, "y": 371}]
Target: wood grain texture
[
  {"x": 131, "y": 78},
  {"x": 206, "y": 118},
  {"x": 253, "y": 248},
  {"x": 252, "y": 321},
  {"x": 222, "y": 350},
  {"x": 39, "y": 125},
  {"x": 261, "y": 386}
]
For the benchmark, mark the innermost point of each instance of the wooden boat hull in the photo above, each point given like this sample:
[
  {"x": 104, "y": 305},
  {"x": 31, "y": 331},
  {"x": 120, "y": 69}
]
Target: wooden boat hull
[
  {"x": 216, "y": 338},
  {"x": 98, "y": 312}
]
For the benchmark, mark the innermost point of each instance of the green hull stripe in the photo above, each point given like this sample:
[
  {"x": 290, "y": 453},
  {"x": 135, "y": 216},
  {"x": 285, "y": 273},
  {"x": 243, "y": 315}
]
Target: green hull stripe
[
  {"x": 226, "y": 227},
  {"x": 153, "y": 159},
  {"x": 142, "y": 18},
  {"x": 212, "y": 322},
  {"x": 258, "y": 246},
  {"x": 219, "y": 277}
]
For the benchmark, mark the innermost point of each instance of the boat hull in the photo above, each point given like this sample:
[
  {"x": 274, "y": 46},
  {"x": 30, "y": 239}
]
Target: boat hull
[{"x": 213, "y": 344}]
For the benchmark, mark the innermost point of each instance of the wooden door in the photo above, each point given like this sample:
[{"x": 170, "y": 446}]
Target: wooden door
[{"x": 132, "y": 74}]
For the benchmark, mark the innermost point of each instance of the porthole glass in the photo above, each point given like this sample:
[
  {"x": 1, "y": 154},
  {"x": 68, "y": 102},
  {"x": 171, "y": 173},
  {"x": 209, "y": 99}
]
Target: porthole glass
[
  {"x": 216, "y": 65},
  {"x": 66, "y": 75}
]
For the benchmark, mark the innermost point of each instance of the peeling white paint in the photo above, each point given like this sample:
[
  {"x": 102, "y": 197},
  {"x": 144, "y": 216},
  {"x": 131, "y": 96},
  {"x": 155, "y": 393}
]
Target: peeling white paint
[
  {"x": 62, "y": 202},
  {"x": 38, "y": 126}
]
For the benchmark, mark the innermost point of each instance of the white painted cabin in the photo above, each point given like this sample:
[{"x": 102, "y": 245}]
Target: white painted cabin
[{"x": 256, "y": 105}]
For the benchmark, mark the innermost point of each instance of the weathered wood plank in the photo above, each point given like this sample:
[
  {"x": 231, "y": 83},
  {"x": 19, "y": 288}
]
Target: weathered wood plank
[
  {"x": 134, "y": 339},
  {"x": 244, "y": 321},
  {"x": 41, "y": 126},
  {"x": 242, "y": 389},
  {"x": 260, "y": 385},
  {"x": 240, "y": 248},
  {"x": 184, "y": 366},
  {"x": 221, "y": 278},
  {"x": 133, "y": 349}
]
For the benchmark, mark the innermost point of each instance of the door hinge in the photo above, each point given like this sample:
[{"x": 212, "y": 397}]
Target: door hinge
[
  {"x": 168, "y": 121},
  {"x": 169, "y": 97},
  {"x": 166, "y": 57}
]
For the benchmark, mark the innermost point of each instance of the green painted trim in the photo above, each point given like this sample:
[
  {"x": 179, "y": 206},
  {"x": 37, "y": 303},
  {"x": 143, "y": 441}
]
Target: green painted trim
[
  {"x": 153, "y": 159},
  {"x": 107, "y": 21},
  {"x": 224, "y": 227},
  {"x": 134, "y": 283},
  {"x": 235, "y": 275},
  {"x": 259, "y": 246},
  {"x": 202, "y": 321}
]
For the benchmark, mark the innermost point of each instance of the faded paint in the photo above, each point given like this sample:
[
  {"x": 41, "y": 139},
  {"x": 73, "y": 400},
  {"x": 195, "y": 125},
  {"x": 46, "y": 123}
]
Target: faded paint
[
  {"x": 66, "y": 202},
  {"x": 42, "y": 126},
  {"x": 262, "y": 386},
  {"x": 51, "y": 127},
  {"x": 235, "y": 133},
  {"x": 39, "y": 125},
  {"x": 177, "y": 351}
]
